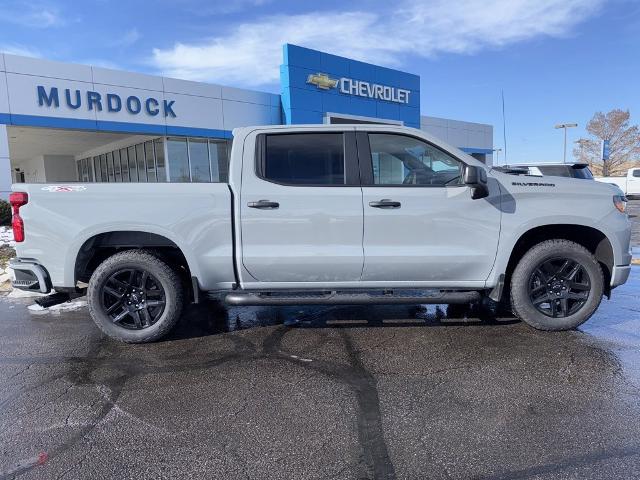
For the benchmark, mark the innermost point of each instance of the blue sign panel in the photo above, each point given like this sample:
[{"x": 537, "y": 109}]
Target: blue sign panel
[
  {"x": 315, "y": 83},
  {"x": 606, "y": 149}
]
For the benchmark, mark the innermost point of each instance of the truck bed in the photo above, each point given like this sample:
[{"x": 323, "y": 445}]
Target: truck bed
[{"x": 60, "y": 219}]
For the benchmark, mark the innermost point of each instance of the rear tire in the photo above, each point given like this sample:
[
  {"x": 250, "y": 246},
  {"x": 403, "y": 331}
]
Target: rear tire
[
  {"x": 557, "y": 285},
  {"x": 135, "y": 297}
]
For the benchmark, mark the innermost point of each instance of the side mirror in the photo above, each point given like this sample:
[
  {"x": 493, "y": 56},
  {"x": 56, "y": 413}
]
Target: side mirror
[{"x": 476, "y": 178}]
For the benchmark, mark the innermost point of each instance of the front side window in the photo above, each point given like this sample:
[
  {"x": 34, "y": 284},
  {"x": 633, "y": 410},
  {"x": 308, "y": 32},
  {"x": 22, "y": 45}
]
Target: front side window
[
  {"x": 304, "y": 159},
  {"x": 636, "y": 172},
  {"x": 402, "y": 160}
]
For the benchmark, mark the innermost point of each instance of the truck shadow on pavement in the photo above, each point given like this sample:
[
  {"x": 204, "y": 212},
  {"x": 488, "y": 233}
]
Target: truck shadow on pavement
[{"x": 211, "y": 317}]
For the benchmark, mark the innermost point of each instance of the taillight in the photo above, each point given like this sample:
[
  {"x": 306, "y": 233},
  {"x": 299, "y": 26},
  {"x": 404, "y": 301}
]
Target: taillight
[{"x": 17, "y": 200}]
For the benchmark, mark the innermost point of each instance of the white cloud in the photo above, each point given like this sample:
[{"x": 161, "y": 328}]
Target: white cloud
[
  {"x": 31, "y": 15},
  {"x": 127, "y": 39},
  {"x": 17, "y": 49},
  {"x": 99, "y": 62},
  {"x": 251, "y": 52}
]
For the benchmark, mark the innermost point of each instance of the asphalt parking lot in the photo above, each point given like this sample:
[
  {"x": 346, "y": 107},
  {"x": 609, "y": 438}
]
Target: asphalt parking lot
[{"x": 343, "y": 392}]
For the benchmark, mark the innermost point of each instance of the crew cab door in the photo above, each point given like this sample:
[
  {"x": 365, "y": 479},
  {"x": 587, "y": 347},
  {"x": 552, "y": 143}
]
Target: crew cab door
[
  {"x": 301, "y": 207},
  {"x": 420, "y": 222}
]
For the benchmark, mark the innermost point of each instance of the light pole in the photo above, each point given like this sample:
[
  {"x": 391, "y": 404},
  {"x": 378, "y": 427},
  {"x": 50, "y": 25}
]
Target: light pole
[
  {"x": 497, "y": 150},
  {"x": 565, "y": 126}
]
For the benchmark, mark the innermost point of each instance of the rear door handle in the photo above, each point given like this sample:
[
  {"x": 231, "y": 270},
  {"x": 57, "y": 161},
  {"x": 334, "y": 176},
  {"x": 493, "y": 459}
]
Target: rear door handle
[
  {"x": 264, "y": 204},
  {"x": 385, "y": 203}
]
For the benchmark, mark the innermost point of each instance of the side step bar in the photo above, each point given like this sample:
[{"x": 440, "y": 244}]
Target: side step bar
[{"x": 246, "y": 299}]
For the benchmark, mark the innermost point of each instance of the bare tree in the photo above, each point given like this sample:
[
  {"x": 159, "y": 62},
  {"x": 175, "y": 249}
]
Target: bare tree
[{"x": 624, "y": 143}]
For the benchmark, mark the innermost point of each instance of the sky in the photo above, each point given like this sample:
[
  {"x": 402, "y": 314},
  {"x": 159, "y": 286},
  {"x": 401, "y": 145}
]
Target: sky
[{"x": 557, "y": 61}]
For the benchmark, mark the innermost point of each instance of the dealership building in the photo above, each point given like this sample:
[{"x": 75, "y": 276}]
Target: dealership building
[{"x": 64, "y": 122}]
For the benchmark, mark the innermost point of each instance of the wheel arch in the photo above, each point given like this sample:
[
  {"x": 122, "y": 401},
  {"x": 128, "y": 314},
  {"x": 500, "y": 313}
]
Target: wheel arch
[
  {"x": 99, "y": 246},
  {"x": 591, "y": 238}
]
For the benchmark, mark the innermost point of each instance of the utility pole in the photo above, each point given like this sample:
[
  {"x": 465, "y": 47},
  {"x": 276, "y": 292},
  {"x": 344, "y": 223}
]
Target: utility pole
[{"x": 565, "y": 126}]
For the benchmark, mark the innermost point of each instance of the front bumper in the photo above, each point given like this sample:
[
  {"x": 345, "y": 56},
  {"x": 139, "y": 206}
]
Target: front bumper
[
  {"x": 620, "y": 274},
  {"x": 30, "y": 275}
]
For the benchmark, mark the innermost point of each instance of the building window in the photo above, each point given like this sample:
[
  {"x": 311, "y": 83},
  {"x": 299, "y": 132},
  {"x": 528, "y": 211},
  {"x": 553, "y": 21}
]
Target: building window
[
  {"x": 124, "y": 162},
  {"x": 133, "y": 169},
  {"x": 110, "y": 167},
  {"x": 174, "y": 159},
  {"x": 96, "y": 168},
  {"x": 151, "y": 162},
  {"x": 89, "y": 167},
  {"x": 142, "y": 169},
  {"x": 161, "y": 169},
  {"x": 103, "y": 168},
  {"x": 219, "y": 161},
  {"x": 178, "y": 160},
  {"x": 199, "y": 160},
  {"x": 117, "y": 169}
]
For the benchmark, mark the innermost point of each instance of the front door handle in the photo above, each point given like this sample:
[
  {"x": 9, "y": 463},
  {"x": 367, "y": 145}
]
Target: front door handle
[
  {"x": 385, "y": 203},
  {"x": 264, "y": 204}
]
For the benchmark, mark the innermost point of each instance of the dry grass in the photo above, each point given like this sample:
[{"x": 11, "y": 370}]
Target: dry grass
[{"x": 6, "y": 254}]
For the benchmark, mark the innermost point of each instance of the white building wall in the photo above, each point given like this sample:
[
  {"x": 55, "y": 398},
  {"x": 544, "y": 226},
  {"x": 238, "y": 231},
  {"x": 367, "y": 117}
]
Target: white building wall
[
  {"x": 33, "y": 169},
  {"x": 460, "y": 134},
  {"x": 60, "y": 168},
  {"x": 196, "y": 105},
  {"x": 5, "y": 164}
]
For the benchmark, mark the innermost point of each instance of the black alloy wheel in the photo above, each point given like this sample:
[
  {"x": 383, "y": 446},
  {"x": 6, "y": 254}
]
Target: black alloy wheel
[
  {"x": 559, "y": 287},
  {"x": 133, "y": 298}
]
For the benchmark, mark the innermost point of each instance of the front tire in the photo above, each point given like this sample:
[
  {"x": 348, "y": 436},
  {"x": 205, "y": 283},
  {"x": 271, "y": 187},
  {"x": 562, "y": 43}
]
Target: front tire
[
  {"x": 135, "y": 297},
  {"x": 557, "y": 285}
]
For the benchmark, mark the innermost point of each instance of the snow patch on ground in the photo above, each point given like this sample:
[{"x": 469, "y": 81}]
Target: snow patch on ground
[
  {"x": 69, "y": 306},
  {"x": 17, "y": 293}
]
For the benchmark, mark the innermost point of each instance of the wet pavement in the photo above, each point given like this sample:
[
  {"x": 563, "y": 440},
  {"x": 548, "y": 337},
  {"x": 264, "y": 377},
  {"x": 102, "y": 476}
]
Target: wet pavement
[{"x": 342, "y": 392}]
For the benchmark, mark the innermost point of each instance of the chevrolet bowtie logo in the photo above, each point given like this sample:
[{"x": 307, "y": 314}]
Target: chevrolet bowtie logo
[{"x": 322, "y": 80}]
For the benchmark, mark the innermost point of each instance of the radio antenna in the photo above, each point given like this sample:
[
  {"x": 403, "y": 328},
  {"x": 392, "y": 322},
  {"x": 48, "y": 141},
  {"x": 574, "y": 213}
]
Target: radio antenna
[{"x": 504, "y": 129}]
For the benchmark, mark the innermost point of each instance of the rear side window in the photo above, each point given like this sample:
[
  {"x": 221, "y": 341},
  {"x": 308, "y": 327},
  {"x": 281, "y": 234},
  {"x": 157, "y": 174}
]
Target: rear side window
[
  {"x": 566, "y": 171},
  {"x": 636, "y": 173},
  {"x": 582, "y": 171},
  {"x": 556, "y": 171},
  {"x": 304, "y": 159}
]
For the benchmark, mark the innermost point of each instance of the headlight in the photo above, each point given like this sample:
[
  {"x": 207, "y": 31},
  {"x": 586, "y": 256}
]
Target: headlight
[{"x": 620, "y": 202}]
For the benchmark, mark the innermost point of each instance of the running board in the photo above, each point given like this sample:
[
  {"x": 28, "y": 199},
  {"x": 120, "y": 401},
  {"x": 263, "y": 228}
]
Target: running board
[{"x": 245, "y": 299}]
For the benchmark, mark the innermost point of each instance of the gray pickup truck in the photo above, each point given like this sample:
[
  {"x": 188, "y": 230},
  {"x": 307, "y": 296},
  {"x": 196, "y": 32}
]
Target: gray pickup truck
[{"x": 327, "y": 214}]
